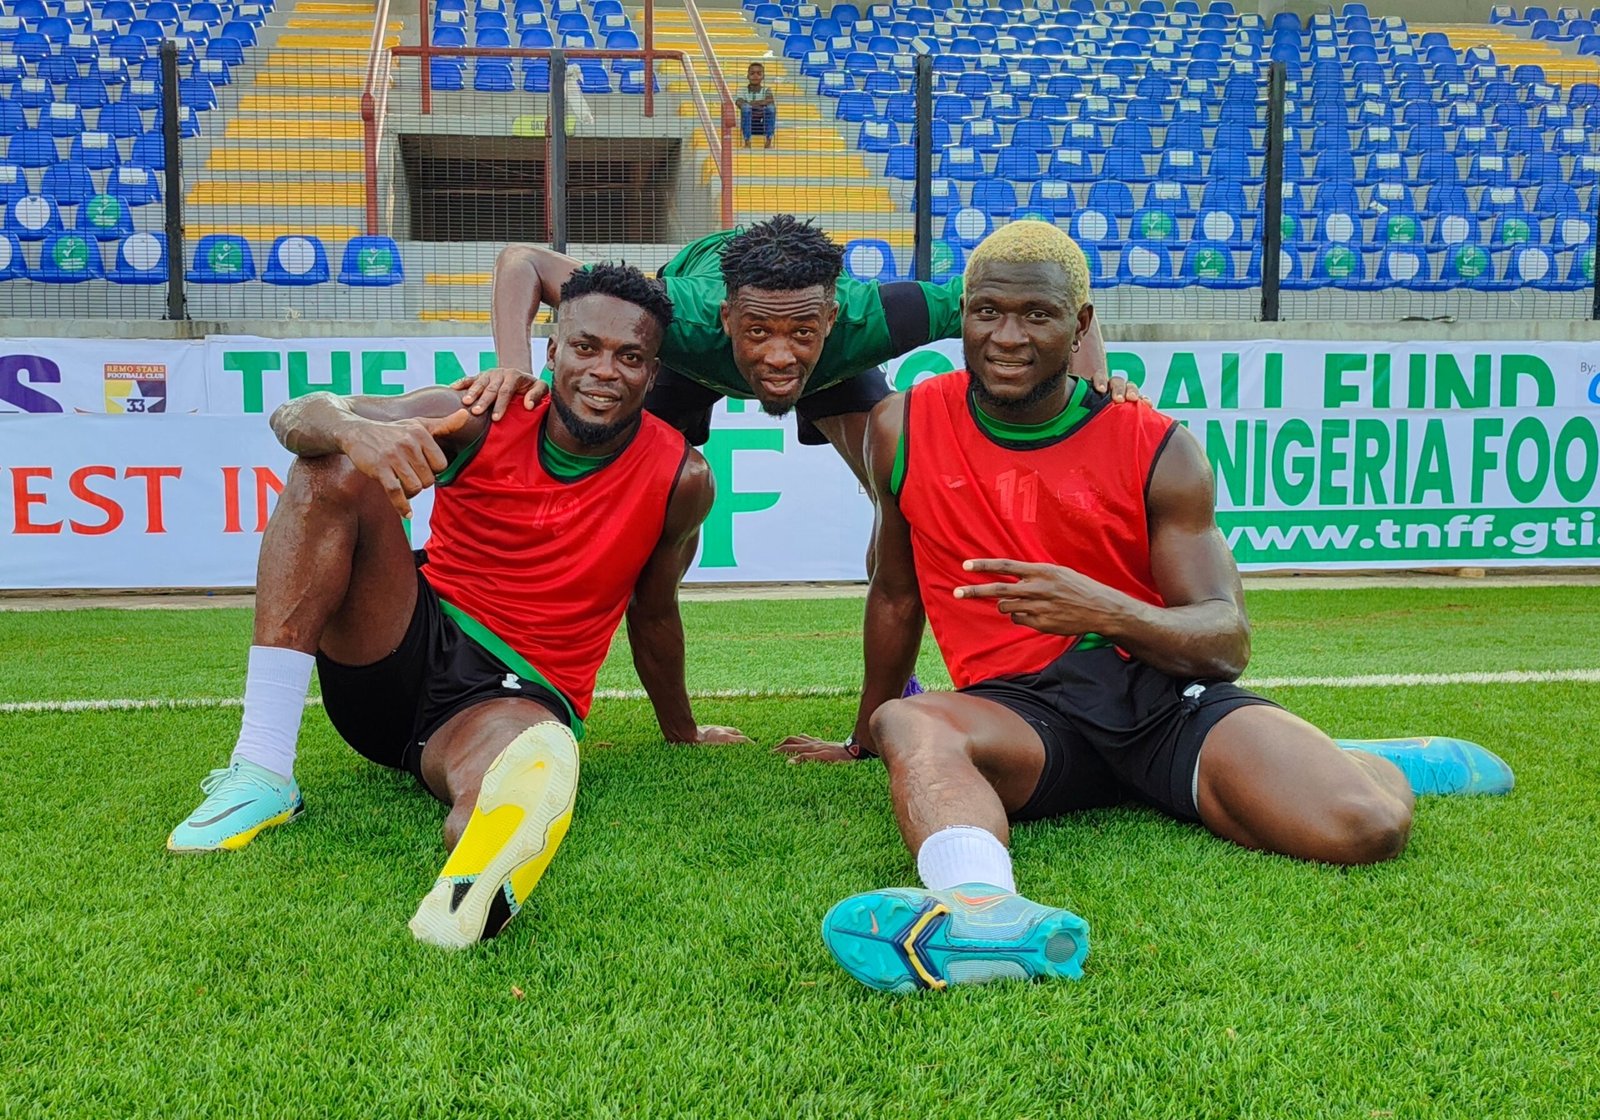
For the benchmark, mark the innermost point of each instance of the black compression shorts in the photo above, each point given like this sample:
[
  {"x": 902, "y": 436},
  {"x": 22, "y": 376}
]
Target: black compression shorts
[
  {"x": 686, "y": 404},
  {"x": 1115, "y": 730},
  {"x": 390, "y": 709}
]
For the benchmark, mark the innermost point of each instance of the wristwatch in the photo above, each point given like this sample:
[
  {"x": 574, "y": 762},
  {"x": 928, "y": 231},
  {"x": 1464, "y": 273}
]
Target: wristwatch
[{"x": 854, "y": 749}]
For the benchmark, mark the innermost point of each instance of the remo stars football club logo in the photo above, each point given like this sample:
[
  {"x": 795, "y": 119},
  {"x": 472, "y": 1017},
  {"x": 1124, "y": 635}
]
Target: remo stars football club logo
[{"x": 132, "y": 387}]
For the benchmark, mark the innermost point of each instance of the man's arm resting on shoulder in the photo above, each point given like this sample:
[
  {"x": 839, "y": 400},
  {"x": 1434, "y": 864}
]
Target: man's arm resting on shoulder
[
  {"x": 655, "y": 626},
  {"x": 524, "y": 277},
  {"x": 402, "y": 442}
]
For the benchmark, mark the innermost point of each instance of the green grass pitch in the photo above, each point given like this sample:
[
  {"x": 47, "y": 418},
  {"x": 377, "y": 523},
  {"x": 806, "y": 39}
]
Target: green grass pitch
[{"x": 670, "y": 962}]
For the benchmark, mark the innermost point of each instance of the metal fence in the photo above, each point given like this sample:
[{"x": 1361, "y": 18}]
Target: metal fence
[{"x": 354, "y": 184}]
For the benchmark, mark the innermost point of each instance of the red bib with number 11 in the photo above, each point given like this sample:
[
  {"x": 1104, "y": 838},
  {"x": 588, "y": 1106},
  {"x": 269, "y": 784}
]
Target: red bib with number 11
[{"x": 1077, "y": 501}]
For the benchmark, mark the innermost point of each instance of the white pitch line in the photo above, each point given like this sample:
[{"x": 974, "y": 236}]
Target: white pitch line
[{"x": 1376, "y": 680}]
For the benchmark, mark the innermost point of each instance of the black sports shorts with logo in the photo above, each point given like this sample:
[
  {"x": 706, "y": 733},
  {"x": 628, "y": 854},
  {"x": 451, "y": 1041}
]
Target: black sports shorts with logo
[
  {"x": 388, "y": 710},
  {"x": 686, "y": 404},
  {"x": 1114, "y": 730}
]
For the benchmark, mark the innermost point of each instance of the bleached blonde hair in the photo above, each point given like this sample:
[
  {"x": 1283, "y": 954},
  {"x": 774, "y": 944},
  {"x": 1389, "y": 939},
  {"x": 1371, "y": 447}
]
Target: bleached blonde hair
[{"x": 1031, "y": 242}]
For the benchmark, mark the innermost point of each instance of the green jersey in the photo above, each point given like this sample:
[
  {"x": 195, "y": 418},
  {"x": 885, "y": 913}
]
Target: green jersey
[{"x": 876, "y": 322}]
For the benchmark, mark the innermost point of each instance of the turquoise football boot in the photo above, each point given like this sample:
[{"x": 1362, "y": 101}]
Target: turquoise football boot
[
  {"x": 241, "y": 801},
  {"x": 1434, "y": 766},
  {"x": 905, "y": 939}
]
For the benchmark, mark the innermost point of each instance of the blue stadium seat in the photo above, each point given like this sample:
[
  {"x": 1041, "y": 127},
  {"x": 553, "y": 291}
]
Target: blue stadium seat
[
  {"x": 946, "y": 196},
  {"x": 1020, "y": 164},
  {"x": 149, "y": 150},
  {"x": 901, "y": 162},
  {"x": 1573, "y": 228},
  {"x": 67, "y": 184},
  {"x": 296, "y": 260},
  {"x": 1053, "y": 198},
  {"x": 1147, "y": 265},
  {"x": 1211, "y": 264},
  {"x": 854, "y": 106},
  {"x": 996, "y": 197},
  {"x": 878, "y": 136},
  {"x": 32, "y": 218},
  {"x": 13, "y": 264},
  {"x": 492, "y": 75},
  {"x": 13, "y": 183},
  {"x": 371, "y": 262},
  {"x": 32, "y": 93},
  {"x": 870, "y": 259},
  {"x": 1466, "y": 265},
  {"x": 981, "y": 135},
  {"x": 33, "y": 148},
  {"x": 104, "y": 218},
  {"x": 137, "y": 186},
  {"x": 222, "y": 258},
  {"x": 966, "y": 227},
  {"x": 1155, "y": 224},
  {"x": 68, "y": 258},
  {"x": 61, "y": 119},
  {"x": 1096, "y": 227},
  {"x": 961, "y": 164},
  {"x": 1404, "y": 266},
  {"x": 141, "y": 259},
  {"x": 1340, "y": 266}
]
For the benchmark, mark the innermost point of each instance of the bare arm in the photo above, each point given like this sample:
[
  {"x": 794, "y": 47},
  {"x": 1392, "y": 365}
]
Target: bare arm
[
  {"x": 524, "y": 277},
  {"x": 655, "y": 626},
  {"x": 892, "y": 633},
  {"x": 1201, "y": 632},
  {"x": 402, "y": 442}
]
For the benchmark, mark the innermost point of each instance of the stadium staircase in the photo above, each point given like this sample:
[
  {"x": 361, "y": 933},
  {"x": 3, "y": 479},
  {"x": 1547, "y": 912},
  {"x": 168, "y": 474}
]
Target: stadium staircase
[
  {"x": 1513, "y": 49},
  {"x": 290, "y": 157},
  {"x": 811, "y": 169}
]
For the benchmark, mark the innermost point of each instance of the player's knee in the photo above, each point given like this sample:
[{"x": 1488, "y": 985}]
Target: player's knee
[
  {"x": 1368, "y": 828},
  {"x": 904, "y": 728},
  {"x": 329, "y": 479}
]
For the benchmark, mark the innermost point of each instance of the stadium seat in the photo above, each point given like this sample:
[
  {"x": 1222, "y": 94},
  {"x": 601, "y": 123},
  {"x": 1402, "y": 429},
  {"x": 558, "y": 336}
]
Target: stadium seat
[
  {"x": 371, "y": 262},
  {"x": 67, "y": 184},
  {"x": 13, "y": 264},
  {"x": 222, "y": 258},
  {"x": 1467, "y": 266},
  {"x": 68, "y": 258},
  {"x": 1147, "y": 265},
  {"x": 1096, "y": 227},
  {"x": 137, "y": 186},
  {"x": 296, "y": 260},
  {"x": 104, "y": 217},
  {"x": 870, "y": 259},
  {"x": 996, "y": 197},
  {"x": 1210, "y": 264},
  {"x": 141, "y": 259},
  {"x": 1404, "y": 266},
  {"x": 966, "y": 227},
  {"x": 32, "y": 218}
]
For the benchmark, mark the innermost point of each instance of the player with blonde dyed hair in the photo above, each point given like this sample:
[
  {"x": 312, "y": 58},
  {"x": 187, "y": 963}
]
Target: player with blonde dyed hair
[
  {"x": 1034, "y": 242},
  {"x": 1065, "y": 550}
]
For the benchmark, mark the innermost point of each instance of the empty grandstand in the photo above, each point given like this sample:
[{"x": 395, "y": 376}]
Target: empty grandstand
[{"x": 344, "y": 160}]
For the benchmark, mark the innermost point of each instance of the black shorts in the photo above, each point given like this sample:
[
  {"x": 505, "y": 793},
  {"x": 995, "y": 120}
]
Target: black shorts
[
  {"x": 686, "y": 404},
  {"x": 1115, "y": 730},
  {"x": 388, "y": 710}
]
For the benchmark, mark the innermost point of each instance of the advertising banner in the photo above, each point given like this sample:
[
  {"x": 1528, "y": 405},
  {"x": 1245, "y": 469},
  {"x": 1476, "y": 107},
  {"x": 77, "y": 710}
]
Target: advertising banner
[{"x": 149, "y": 463}]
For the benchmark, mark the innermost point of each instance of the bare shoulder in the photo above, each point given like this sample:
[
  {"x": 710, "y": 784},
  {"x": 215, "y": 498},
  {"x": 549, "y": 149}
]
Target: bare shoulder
[
  {"x": 693, "y": 492},
  {"x": 1181, "y": 482}
]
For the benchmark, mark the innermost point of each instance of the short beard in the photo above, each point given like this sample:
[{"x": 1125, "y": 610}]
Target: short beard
[
  {"x": 587, "y": 432},
  {"x": 777, "y": 408},
  {"x": 1034, "y": 395}
]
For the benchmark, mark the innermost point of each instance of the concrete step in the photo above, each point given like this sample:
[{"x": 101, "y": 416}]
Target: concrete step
[{"x": 279, "y": 193}]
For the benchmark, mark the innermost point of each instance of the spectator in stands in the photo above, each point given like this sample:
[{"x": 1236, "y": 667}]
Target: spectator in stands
[{"x": 758, "y": 112}]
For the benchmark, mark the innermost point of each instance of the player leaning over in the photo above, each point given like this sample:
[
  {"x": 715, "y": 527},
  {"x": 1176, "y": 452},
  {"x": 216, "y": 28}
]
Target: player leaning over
[
  {"x": 1067, "y": 556},
  {"x": 472, "y": 664}
]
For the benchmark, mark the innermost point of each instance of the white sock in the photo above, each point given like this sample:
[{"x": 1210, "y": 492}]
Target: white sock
[
  {"x": 964, "y": 854},
  {"x": 274, "y": 698}
]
